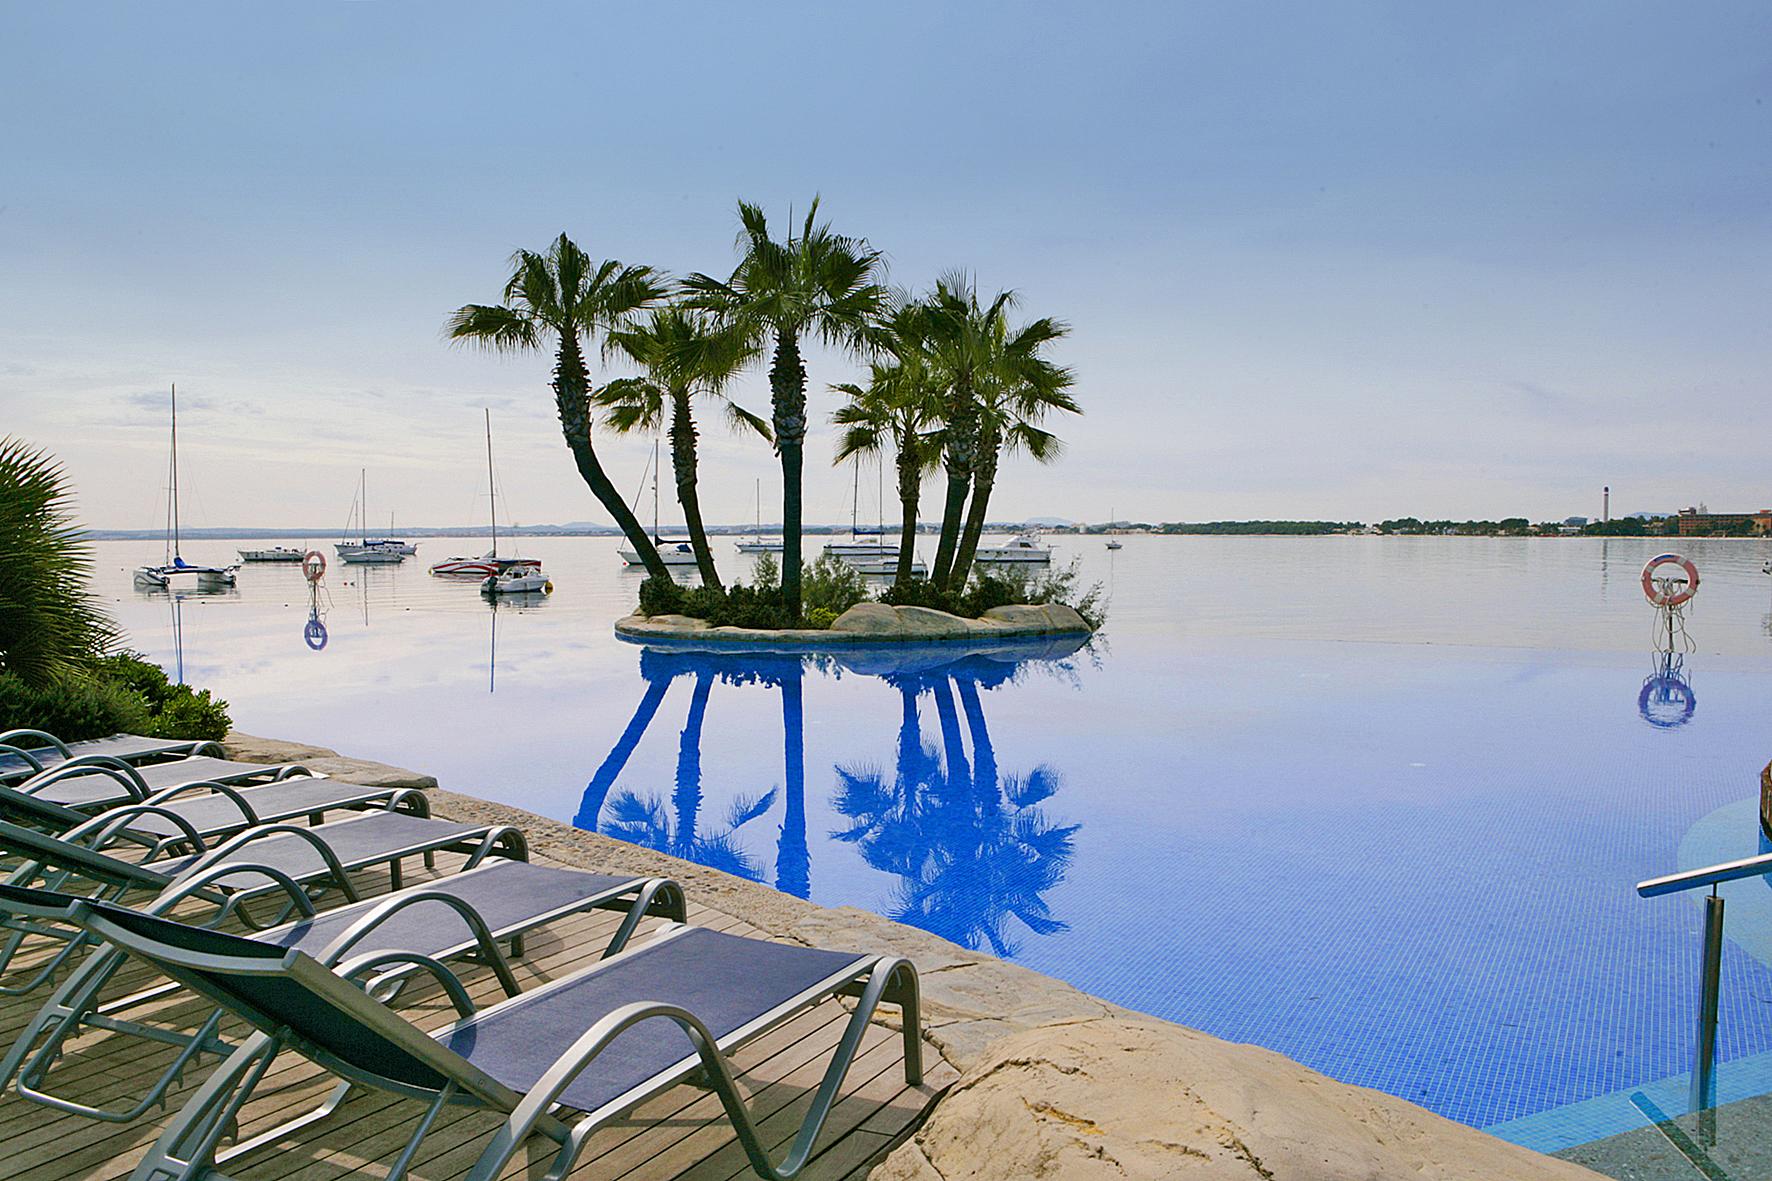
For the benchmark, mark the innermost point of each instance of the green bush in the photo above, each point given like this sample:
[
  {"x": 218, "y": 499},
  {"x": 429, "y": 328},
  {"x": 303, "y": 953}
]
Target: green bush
[
  {"x": 118, "y": 693},
  {"x": 987, "y": 590},
  {"x": 660, "y": 596},
  {"x": 821, "y": 618},
  {"x": 831, "y": 584}
]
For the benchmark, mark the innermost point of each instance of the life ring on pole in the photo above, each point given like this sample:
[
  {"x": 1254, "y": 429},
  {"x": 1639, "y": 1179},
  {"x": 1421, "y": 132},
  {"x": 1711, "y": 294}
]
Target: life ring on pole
[
  {"x": 1664, "y": 592},
  {"x": 313, "y": 565}
]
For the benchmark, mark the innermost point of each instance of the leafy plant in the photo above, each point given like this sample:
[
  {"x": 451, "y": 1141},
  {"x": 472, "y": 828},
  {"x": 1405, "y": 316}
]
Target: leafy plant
[
  {"x": 50, "y": 624},
  {"x": 122, "y": 692},
  {"x": 832, "y": 585}
]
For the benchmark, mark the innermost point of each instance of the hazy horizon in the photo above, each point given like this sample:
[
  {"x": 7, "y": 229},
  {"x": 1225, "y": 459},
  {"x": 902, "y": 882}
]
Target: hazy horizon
[{"x": 1340, "y": 262}]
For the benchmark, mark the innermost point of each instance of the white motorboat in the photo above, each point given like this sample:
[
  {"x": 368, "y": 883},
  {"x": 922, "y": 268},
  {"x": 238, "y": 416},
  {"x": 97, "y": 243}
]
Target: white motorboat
[
  {"x": 886, "y": 567},
  {"x": 276, "y": 553},
  {"x": 1114, "y": 544},
  {"x": 672, "y": 551},
  {"x": 878, "y": 547},
  {"x": 518, "y": 581},
  {"x": 488, "y": 564},
  {"x": 175, "y": 572},
  {"x": 367, "y": 550},
  {"x": 1020, "y": 549}
]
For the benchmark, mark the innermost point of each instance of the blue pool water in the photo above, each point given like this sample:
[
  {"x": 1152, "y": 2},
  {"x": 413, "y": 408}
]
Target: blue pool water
[{"x": 1378, "y": 804}]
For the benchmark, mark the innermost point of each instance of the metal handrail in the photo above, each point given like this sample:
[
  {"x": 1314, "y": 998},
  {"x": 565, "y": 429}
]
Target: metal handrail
[
  {"x": 1693, "y": 879},
  {"x": 1710, "y": 965}
]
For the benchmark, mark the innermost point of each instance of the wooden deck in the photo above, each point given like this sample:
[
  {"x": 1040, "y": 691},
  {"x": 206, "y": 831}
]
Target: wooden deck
[{"x": 681, "y": 1134}]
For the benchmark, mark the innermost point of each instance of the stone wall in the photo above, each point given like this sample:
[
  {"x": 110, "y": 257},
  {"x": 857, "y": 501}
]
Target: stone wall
[
  {"x": 870, "y": 623},
  {"x": 1055, "y": 1083}
]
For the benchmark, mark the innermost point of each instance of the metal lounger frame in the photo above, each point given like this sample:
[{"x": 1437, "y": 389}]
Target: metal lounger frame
[
  {"x": 117, "y": 878},
  {"x": 134, "y": 788},
  {"x": 187, "y": 1148},
  {"x": 76, "y": 1003},
  {"x": 10, "y": 745}
]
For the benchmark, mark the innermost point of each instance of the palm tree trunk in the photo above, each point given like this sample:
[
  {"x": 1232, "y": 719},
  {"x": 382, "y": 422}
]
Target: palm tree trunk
[
  {"x": 910, "y": 490},
  {"x": 793, "y": 856},
  {"x": 962, "y": 437},
  {"x": 572, "y": 391},
  {"x": 787, "y": 390},
  {"x": 686, "y": 799},
  {"x": 597, "y": 790},
  {"x": 984, "y": 479},
  {"x": 683, "y": 468}
]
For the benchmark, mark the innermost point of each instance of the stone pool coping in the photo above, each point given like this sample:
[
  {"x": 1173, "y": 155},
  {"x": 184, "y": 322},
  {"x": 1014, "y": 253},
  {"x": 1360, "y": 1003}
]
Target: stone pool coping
[
  {"x": 870, "y": 623},
  {"x": 1055, "y": 1082}
]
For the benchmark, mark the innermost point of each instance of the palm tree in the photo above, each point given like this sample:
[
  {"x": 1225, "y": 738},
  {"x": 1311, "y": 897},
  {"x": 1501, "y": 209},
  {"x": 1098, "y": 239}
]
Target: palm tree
[
  {"x": 564, "y": 295},
  {"x": 957, "y": 344},
  {"x": 1010, "y": 407},
  {"x": 817, "y": 283},
  {"x": 51, "y": 625},
  {"x": 683, "y": 354},
  {"x": 898, "y": 408}
]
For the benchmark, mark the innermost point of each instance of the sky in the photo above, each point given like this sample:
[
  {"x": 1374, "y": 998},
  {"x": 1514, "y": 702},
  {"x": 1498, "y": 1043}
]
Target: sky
[{"x": 1320, "y": 260}]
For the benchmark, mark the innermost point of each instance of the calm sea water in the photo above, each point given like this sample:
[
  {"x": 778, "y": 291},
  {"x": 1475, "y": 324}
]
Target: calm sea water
[{"x": 1377, "y": 803}]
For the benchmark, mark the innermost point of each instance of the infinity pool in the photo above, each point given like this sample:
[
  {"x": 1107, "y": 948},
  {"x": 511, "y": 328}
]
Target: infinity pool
[{"x": 1378, "y": 804}]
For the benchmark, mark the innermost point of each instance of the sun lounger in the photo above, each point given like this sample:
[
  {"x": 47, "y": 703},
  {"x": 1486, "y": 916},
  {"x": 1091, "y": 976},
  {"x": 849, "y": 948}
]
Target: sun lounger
[
  {"x": 637, "y": 1024},
  {"x": 270, "y": 859},
  {"x": 465, "y": 914},
  {"x": 92, "y": 782},
  {"x": 213, "y": 809},
  {"x": 24, "y": 753}
]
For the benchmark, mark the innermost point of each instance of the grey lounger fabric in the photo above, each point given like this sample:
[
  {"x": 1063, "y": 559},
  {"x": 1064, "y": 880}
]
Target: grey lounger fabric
[
  {"x": 33, "y": 751},
  {"x": 622, "y": 1045},
  {"x": 505, "y": 899},
  {"x": 100, "y": 785}
]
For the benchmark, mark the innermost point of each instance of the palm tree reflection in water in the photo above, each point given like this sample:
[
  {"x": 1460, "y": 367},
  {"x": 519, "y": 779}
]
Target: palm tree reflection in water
[{"x": 972, "y": 847}]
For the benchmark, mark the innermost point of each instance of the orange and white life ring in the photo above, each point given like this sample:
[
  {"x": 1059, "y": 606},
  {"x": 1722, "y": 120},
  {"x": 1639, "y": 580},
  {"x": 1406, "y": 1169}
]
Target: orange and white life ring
[
  {"x": 313, "y": 565},
  {"x": 1669, "y": 596}
]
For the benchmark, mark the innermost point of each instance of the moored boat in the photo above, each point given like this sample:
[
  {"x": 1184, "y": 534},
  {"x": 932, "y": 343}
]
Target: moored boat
[
  {"x": 275, "y": 553},
  {"x": 175, "y": 572},
  {"x": 518, "y": 581},
  {"x": 1020, "y": 549}
]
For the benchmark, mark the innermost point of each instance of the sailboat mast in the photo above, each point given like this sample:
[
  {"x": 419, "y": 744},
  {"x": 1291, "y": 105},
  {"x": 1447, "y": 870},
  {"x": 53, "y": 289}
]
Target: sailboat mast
[
  {"x": 855, "y": 499},
  {"x": 363, "y": 501},
  {"x": 175, "y": 553},
  {"x": 491, "y": 488}
]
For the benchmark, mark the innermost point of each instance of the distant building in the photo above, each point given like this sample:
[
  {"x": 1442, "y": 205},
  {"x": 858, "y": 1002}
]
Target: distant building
[
  {"x": 1578, "y": 522},
  {"x": 1696, "y": 522}
]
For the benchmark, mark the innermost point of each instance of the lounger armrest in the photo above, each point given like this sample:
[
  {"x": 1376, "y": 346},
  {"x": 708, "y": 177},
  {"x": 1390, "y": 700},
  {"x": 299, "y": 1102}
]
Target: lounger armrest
[
  {"x": 166, "y": 795},
  {"x": 202, "y": 883},
  {"x": 504, "y": 839},
  {"x": 13, "y": 739},
  {"x": 266, "y": 831},
  {"x": 117, "y": 769},
  {"x": 7, "y": 748},
  {"x": 105, "y": 825},
  {"x": 458, "y": 995},
  {"x": 405, "y": 900}
]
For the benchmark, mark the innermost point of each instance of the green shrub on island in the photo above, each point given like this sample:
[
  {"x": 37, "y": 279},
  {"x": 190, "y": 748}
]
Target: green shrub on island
[
  {"x": 832, "y": 586},
  {"x": 829, "y": 588},
  {"x": 119, "y": 693}
]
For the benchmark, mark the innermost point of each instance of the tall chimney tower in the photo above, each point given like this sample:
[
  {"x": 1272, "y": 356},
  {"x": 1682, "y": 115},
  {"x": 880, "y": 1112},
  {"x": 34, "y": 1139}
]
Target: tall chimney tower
[{"x": 1606, "y": 505}]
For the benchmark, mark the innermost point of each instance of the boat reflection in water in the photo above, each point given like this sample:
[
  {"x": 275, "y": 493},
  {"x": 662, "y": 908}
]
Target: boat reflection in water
[{"x": 970, "y": 845}]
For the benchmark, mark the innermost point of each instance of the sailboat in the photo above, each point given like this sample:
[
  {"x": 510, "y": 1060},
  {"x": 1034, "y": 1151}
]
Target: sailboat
[
  {"x": 370, "y": 551},
  {"x": 877, "y": 550},
  {"x": 488, "y": 564},
  {"x": 176, "y": 572},
  {"x": 1113, "y": 542},
  {"x": 675, "y": 551},
  {"x": 757, "y": 545}
]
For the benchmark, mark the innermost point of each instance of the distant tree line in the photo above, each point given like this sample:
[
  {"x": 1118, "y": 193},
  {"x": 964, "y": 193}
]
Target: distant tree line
[
  {"x": 1264, "y": 527},
  {"x": 1506, "y": 527}
]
